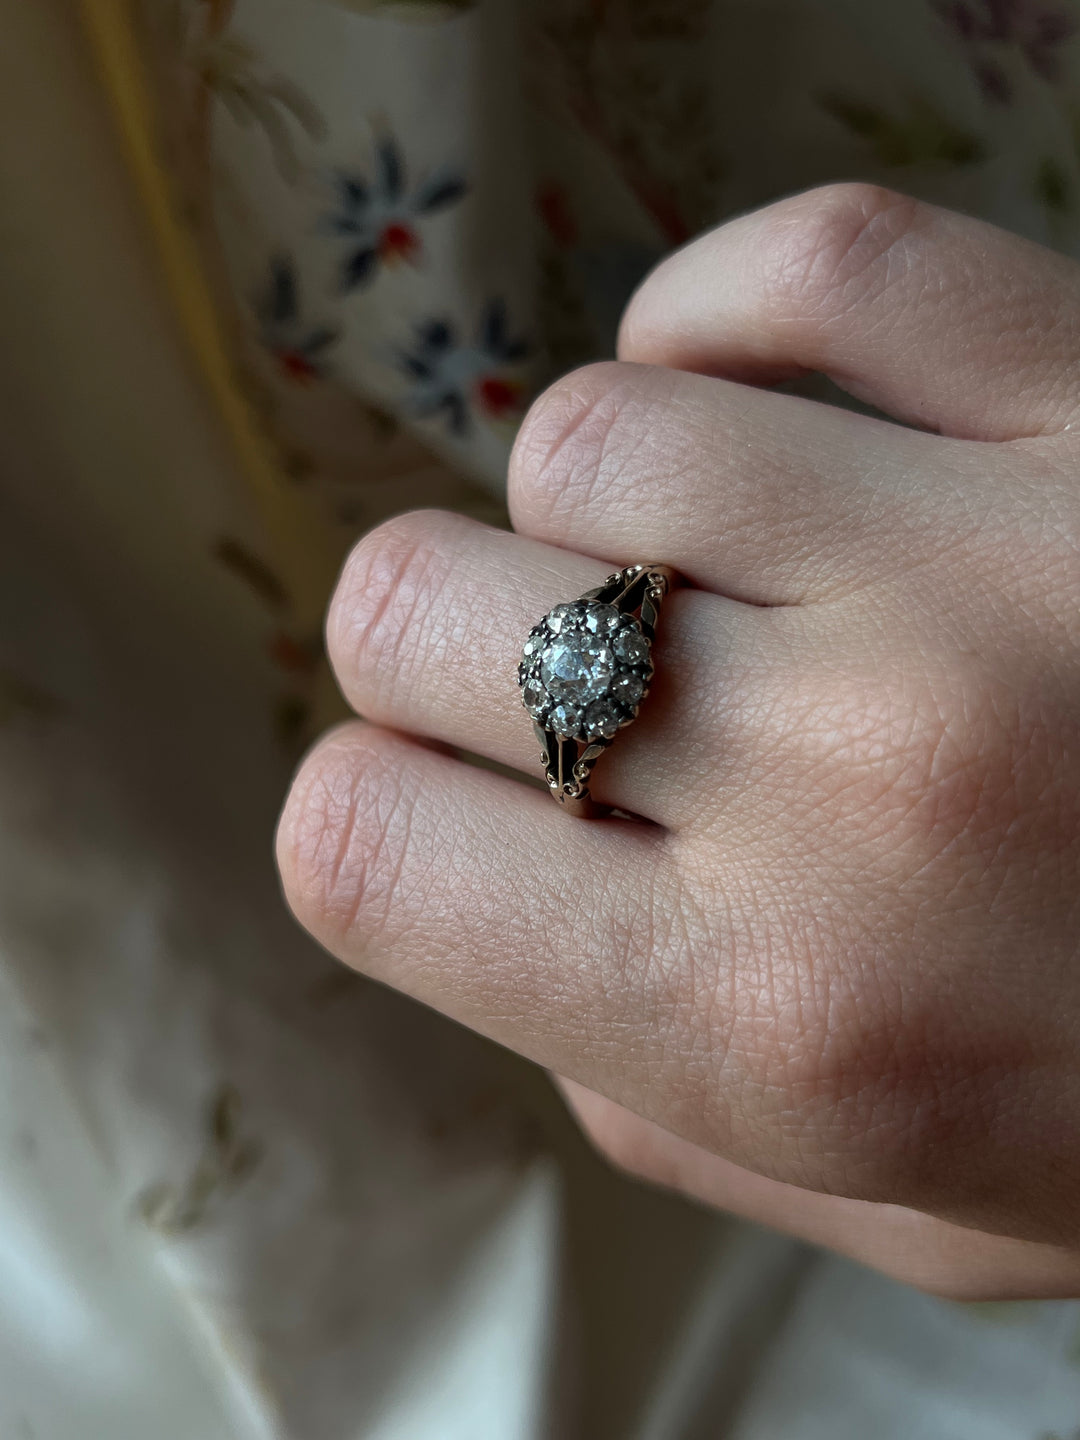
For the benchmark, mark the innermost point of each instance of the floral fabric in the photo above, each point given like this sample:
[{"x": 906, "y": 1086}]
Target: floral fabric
[
  {"x": 275, "y": 269},
  {"x": 415, "y": 214}
]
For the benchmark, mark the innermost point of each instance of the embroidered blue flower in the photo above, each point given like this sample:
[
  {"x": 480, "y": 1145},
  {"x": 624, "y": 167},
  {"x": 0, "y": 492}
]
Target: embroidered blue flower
[
  {"x": 453, "y": 380},
  {"x": 298, "y": 348},
  {"x": 380, "y": 215}
]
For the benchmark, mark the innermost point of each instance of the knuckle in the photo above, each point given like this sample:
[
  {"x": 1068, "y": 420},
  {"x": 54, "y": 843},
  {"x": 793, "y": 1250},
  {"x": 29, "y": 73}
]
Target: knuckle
[
  {"x": 912, "y": 773},
  {"x": 898, "y": 1079},
  {"x": 342, "y": 836},
  {"x": 393, "y": 574},
  {"x": 915, "y": 796},
  {"x": 837, "y": 246},
  {"x": 566, "y": 448}
]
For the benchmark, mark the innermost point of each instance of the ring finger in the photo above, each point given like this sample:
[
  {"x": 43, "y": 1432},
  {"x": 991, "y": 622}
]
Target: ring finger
[{"x": 425, "y": 633}]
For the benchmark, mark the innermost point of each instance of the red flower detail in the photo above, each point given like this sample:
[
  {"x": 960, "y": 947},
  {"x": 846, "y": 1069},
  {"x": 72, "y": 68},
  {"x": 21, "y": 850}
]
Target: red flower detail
[
  {"x": 554, "y": 206},
  {"x": 498, "y": 397},
  {"x": 398, "y": 242},
  {"x": 289, "y": 654},
  {"x": 296, "y": 366}
]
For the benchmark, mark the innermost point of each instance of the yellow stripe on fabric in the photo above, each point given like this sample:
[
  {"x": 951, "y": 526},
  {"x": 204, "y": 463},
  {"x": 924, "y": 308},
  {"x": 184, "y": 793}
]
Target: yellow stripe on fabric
[{"x": 304, "y": 549}]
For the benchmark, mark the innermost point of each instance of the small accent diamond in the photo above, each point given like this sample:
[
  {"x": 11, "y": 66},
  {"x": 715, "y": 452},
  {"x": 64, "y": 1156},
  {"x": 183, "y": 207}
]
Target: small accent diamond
[
  {"x": 602, "y": 619},
  {"x": 563, "y": 617},
  {"x": 631, "y": 647},
  {"x": 601, "y": 720},
  {"x": 628, "y": 689},
  {"x": 565, "y": 720},
  {"x": 534, "y": 696}
]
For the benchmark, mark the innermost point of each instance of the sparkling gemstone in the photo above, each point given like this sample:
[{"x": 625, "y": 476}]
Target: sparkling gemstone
[
  {"x": 564, "y": 617},
  {"x": 533, "y": 644},
  {"x": 602, "y": 619},
  {"x": 577, "y": 667},
  {"x": 601, "y": 720},
  {"x": 534, "y": 696},
  {"x": 631, "y": 647},
  {"x": 628, "y": 689},
  {"x": 565, "y": 719}
]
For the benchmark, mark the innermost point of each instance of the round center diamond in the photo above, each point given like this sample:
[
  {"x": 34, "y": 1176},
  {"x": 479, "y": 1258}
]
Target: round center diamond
[
  {"x": 584, "y": 670},
  {"x": 577, "y": 667}
]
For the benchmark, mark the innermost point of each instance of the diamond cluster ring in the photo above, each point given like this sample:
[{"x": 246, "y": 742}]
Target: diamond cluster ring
[{"x": 585, "y": 669}]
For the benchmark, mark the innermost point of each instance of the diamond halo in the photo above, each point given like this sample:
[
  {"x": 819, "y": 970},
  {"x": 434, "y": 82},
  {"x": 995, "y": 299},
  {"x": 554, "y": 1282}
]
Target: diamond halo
[{"x": 585, "y": 670}]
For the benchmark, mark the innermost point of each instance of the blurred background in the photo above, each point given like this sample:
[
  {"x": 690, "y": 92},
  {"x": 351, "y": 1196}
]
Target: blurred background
[{"x": 272, "y": 270}]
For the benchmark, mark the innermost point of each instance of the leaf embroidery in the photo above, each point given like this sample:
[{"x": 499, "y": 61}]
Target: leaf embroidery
[
  {"x": 923, "y": 137},
  {"x": 253, "y": 571},
  {"x": 228, "y": 1159}
]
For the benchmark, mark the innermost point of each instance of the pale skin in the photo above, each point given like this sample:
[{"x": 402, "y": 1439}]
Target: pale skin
[{"x": 833, "y": 983}]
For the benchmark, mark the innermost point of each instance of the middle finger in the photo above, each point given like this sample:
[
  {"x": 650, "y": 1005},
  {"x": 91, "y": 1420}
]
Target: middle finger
[{"x": 768, "y": 498}]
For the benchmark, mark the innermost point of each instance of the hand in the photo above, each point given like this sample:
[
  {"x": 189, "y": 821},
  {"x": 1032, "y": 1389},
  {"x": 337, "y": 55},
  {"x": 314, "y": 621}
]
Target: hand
[{"x": 835, "y": 984}]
